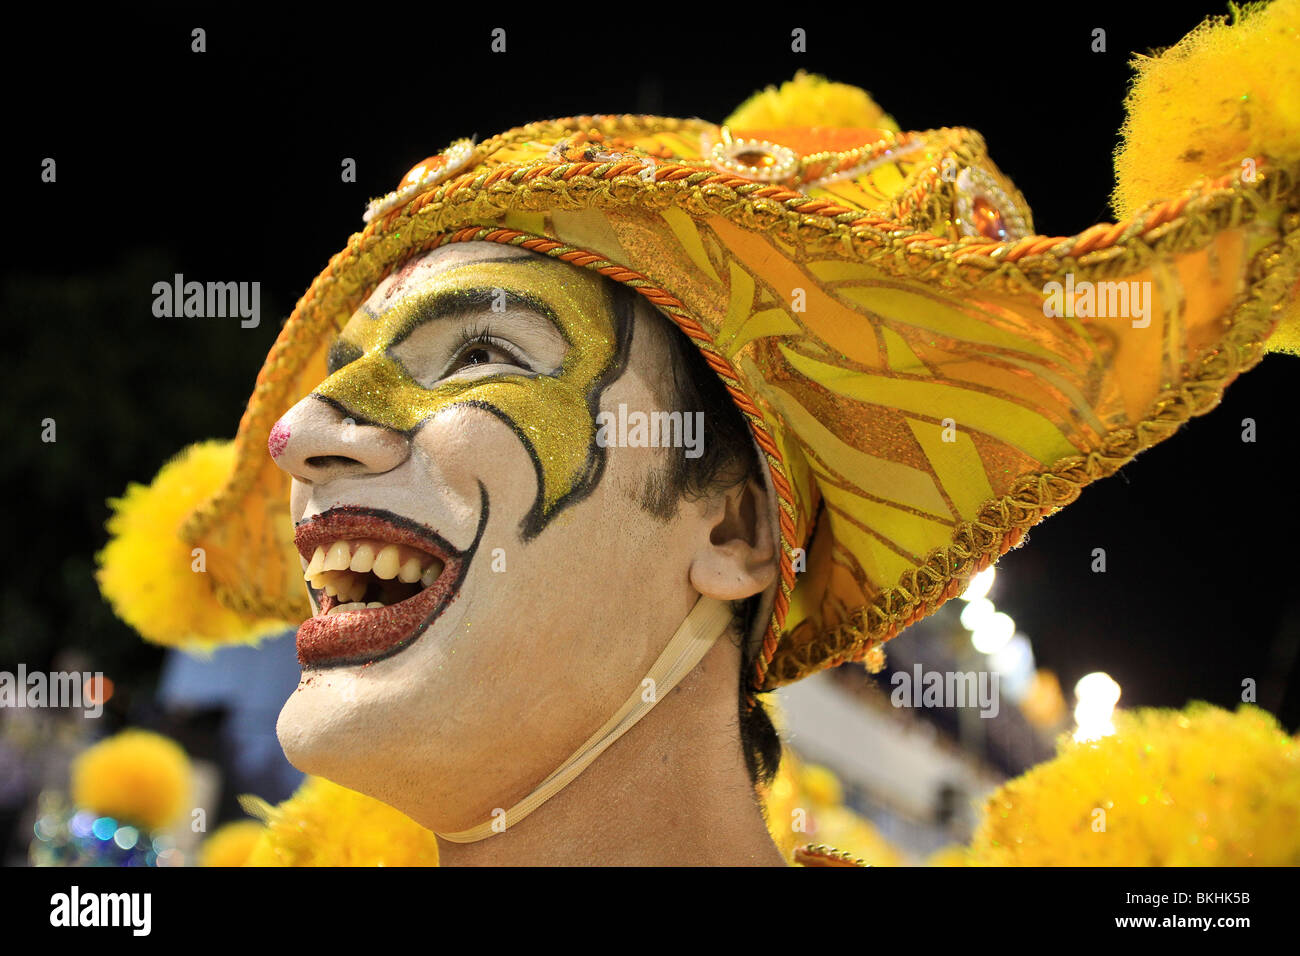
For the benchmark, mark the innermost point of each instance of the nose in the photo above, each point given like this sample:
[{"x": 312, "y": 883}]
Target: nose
[{"x": 316, "y": 442}]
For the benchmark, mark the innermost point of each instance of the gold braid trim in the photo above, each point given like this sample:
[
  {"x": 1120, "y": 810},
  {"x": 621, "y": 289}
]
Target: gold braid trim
[
  {"x": 927, "y": 204},
  {"x": 608, "y": 124},
  {"x": 818, "y": 854},
  {"x": 1105, "y": 250}
]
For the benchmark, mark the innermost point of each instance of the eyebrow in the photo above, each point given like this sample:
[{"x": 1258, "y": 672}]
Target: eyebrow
[{"x": 434, "y": 305}]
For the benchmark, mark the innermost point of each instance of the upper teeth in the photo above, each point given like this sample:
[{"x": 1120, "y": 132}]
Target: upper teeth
[{"x": 340, "y": 567}]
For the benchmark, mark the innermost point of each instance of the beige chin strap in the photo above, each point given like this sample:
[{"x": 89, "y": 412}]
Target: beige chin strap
[{"x": 697, "y": 633}]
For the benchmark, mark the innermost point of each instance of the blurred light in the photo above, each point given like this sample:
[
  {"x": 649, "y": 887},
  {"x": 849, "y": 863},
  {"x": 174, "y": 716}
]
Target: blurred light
[
  {"x": 979, "y": 586},
  {"x": 1016, "y": 657},
  {"x": 1098, "y": 687},
  {"x": 104, "y": 828},
  {"x": 1096, "y": 695},
  {"x": 1044, "y": 704},
  {"x": 1015, "y": 662},
  {"x": 97, "y": 690},
  {"x": 43, "y": 830},
  {"x": 82, "y": 824},
  {"x": 172, "y": 857},
  {"x": 993, "y": 633},
  {"x": 976, "y": 612},
  {"x": 126, "y": 837},
  {"x": 1091, "y": 726}
]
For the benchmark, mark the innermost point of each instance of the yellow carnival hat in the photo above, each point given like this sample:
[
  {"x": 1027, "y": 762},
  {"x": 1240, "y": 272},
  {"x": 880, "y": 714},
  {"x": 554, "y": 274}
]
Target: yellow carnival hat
[{"x": 925, "y": 376}]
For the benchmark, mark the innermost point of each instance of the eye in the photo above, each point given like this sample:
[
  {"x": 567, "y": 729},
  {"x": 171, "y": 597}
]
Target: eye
[{"x": 482, "y": 349}]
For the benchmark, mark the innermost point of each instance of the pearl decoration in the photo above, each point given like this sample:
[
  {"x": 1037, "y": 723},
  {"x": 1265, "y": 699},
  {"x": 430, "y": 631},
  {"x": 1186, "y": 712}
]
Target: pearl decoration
[
  {"x": 754, "y": 159},
  {"x": 983, "y": 208}
]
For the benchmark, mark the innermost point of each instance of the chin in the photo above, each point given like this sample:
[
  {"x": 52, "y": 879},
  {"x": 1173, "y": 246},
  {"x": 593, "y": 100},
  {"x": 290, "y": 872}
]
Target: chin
[
  {"x": 343, "y": 749},
  {"x": 317, "y": 735},
  {"x": 298, "y": 740},
  {"x": 353, "y": 739}
]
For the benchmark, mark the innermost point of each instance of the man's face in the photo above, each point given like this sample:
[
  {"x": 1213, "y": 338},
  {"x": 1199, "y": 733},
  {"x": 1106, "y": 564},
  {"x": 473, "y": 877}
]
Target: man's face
[{"x": 508, "y": 591}]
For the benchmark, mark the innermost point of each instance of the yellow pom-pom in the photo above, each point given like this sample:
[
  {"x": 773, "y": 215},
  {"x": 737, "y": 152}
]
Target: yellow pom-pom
[
  {"x": 810, "y": 100},
  {"x": 841, "y": 828},
  {"x": 324, "y": 824},
  {"x": 780, "y": 800},
  {"x": 1227, "y": 95},
  {"x": 950, "y": 856},
  {"x": 821, "y": 786},
  {"x": 805, "y": 805},
  {"x": 231, "y": 844},
  {"x": 135, "y": 777},
  {"x": 1197, "y": 787},
  {"x": 151, "y": 577}
]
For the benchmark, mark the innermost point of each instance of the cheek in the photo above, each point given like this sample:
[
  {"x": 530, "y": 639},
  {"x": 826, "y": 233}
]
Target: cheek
[{"x": 463, "y": 446}]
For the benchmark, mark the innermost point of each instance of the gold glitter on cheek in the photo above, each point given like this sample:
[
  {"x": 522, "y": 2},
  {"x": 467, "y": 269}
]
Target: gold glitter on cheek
[{"x": 551, "y": 413}]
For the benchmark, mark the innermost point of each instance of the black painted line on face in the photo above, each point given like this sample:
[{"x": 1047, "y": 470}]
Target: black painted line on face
[
  {"x": 455, "y": 304},
  {"x": 535, "y": 521},
  {"x": 454, "y": 590},
  {"x": 594, "y": 470},
  {"x": 340, "y": 354},
  {"x": 447, "y": 304},
  {"x": 346, "y": 412},
  {"x": 468, "y": 303}
]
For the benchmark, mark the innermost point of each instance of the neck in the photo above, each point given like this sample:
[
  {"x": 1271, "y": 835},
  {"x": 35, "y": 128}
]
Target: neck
[{"x": 672, "y": 791}]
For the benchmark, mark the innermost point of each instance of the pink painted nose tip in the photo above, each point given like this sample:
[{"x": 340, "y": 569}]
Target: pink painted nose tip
[{"x": 278, "y": 438}]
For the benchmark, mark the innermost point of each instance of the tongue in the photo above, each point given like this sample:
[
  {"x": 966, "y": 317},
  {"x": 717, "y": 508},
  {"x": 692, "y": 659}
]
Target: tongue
[{"x": 391, "y": 592}]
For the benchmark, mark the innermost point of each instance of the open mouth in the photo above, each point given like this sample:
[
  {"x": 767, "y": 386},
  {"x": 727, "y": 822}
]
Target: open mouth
[
  {"x": 360, "y": 574},
  {"x": 378, "y": 579}
]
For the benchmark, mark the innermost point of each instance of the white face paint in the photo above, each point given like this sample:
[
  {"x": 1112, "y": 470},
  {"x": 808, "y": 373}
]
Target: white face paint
[{"x": 551, "y": 625}]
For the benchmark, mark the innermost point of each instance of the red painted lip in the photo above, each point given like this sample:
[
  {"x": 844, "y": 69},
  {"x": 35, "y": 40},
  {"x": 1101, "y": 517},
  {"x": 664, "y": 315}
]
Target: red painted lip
[{"x": 372, "y": 634}]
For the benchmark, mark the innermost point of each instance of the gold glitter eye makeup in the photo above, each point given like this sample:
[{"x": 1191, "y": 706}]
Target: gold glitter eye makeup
[{"x": 550, "y": 406}]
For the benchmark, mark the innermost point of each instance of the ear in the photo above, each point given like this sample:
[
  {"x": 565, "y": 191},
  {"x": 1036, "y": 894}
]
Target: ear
[{"x": 735, "y": 556}]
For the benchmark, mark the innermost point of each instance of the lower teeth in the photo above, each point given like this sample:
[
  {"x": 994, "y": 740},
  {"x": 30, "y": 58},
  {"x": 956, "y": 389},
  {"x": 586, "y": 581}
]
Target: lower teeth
[{"x": 353, "y": 606}]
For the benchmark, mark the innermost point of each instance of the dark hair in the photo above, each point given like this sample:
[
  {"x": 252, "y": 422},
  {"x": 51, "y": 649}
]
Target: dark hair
[{"x": 728, "y": 458}]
